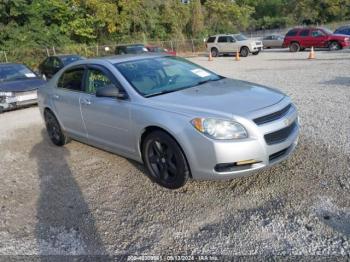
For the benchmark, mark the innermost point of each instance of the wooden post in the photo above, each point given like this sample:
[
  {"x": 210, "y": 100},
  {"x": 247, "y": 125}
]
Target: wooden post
[
  {"x": 5, "y": 56},
  {"x": 96, "y": 49},
  {"x": 53, "y": 50},
  {"x": 193, "y": 50},
  {"x": 47, "y": 52}
]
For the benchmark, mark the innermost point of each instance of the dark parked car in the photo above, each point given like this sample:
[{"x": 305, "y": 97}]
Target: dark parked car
[
  {"x": 343, "y": 30},
  {"x": 52, "y": 64},
  {"x": 130, "y": 49},
  {"x": 305, "y": 37},
  {"x": 18, "y": 86},
  {"x": 157, "y": 49}
]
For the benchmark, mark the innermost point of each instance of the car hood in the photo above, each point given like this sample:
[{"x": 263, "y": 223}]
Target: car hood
[
  {"x": 223, "y": 97},
  {"x": 21, "y": 85},
  {"x": 339, "y": 36}
]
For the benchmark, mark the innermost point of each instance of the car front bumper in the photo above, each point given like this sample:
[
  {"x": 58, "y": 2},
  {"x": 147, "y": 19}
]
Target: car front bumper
[{"x": 216, "y": 160}]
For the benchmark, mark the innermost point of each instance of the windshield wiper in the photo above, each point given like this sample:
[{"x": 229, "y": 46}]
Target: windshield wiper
[
  {"x": 208, "y": 80},
  {"x": 162, "y": 92}
]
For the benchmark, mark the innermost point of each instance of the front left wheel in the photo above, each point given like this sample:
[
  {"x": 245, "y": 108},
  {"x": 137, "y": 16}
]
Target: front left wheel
[
  {"x": 54, "y": 129},
  {"x": 244, "y": 51},
  {"x": 164, "y": 160},
  {"x": 333, "y": 46}
]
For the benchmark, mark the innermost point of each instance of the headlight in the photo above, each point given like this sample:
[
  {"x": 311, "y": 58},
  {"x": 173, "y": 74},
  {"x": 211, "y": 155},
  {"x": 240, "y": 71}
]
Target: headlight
[
  {"x": 7, "y": 94},
  {"x": 219, "y": 129}
]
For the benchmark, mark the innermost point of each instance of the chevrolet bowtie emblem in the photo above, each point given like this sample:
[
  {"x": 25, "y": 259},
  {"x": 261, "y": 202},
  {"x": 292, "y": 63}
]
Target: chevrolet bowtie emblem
[{"x": 286, "y": 121}]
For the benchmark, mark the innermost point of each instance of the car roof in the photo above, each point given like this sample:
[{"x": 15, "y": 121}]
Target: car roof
[
  {"x": 130, "y": 45},
  {"x": 6, "y": 64},
  {"x": 224, "y": 35},
  {"x": 65, "y": 55},
  {"x": 120, "y": 58},
  {"x": 343, "y": 27}
]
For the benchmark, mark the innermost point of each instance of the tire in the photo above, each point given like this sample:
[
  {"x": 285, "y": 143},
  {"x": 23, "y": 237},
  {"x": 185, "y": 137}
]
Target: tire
[
  {"x": 54, "y": 129},
  {"x": 1, "y": 109},
  {"x": 164, "y": 160},
  {"x": 244, "y": 51},
  {"x": 214, "y": 52},
  {"x": 294, "y": 47},
  {"x": 256, "y": 53},
  {"x": 333, "y": 46}
]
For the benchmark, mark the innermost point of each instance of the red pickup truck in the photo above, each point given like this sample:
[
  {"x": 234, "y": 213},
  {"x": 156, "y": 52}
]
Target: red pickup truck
[{"x": 297, "y": 39}]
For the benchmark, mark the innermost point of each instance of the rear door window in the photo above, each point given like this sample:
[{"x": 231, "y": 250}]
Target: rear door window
[
  {"x": 211, "y": 39},
  {"x": 292, "y": 33},
  {"x": 222, "y": 39},
  {"x": 304, "y": 33},
  {"x": 72, "y": 79}
]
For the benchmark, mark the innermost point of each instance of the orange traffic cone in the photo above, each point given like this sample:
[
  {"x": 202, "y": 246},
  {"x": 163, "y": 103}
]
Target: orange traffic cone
[
  {"x": 210, "y": 57},
  {"x": 312, "y": 53},
  {"x": 237, "y": 56}
]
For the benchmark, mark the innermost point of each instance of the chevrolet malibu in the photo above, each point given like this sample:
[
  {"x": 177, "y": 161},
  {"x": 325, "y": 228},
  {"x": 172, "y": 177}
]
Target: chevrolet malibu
[{"x": 179, "y": 119}]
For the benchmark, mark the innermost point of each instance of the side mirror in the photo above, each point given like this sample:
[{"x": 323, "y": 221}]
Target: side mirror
[{"x": 110, "y": 91}]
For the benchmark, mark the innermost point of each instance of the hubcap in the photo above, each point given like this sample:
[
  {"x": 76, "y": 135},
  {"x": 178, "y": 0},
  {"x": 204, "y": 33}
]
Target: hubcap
[{"x": 162, "y": 160}]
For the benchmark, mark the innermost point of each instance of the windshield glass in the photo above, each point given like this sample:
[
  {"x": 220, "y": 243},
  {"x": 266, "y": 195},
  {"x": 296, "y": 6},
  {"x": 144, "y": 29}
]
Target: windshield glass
[
  {"x": 70, "y": 59},
  {"x": 155, "y": 76},
  {"x": 240, "y": 37},
  {"x": 15, "y": 72},
  {"x": 327, "y": 31}
]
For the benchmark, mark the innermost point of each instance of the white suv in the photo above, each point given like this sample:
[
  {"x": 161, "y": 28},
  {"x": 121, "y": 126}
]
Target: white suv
[{"x": 232, "y": 43}]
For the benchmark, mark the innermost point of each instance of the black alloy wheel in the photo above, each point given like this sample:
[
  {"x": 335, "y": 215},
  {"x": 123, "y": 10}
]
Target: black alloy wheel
[
  {"x": 164, "y": 160},
  {"x": 54, "y": 129}
]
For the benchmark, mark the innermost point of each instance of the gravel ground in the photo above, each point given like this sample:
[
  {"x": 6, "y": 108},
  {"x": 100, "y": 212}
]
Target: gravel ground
[{"x": 81, "y": 200}]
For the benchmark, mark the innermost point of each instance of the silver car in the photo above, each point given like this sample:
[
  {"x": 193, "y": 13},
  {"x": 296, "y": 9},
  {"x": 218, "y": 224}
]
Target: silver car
[{"x": 179, "y": 119}]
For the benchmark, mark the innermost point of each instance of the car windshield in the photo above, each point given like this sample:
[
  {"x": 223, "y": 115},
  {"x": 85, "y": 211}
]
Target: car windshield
[
  {"x": 15, "y": 72},
  {"x": 240, "y": 37},
  {"x": 70, "y": 59},
  {"x": 327, "y": 31},
  {"x": 160, "y": 75}
]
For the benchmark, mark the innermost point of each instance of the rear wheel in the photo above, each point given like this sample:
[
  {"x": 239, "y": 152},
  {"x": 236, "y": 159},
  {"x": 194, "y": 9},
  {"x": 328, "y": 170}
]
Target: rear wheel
[
  {"x": 334, "y": 46},
  {"x": 244, "y": 51},
  {"x": 54, "y": 129},
  {"x": 214, "y": 52},
  {"x": 164, "y": 160},
  {"x": 294, "y": 47}
]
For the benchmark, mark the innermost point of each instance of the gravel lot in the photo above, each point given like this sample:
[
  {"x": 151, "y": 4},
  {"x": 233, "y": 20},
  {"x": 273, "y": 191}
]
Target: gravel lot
[{"x": 81, "y": 200}]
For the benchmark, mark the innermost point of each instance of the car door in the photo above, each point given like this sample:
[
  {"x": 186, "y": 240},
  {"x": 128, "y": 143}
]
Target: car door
[
  {"x": 222, "y": 44},
  {"x": 305, "y": 38},
  {"x": 66, "y": 100},
  {"x": 232, "y": 45},
  {"x": 318, "y": 38},
  {"x": 107, "y": 119},
  {"x": 267, "y": 41}
]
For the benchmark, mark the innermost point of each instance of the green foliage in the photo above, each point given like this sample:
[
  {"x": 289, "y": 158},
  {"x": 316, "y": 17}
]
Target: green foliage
[{"x": 44, "y": 23}]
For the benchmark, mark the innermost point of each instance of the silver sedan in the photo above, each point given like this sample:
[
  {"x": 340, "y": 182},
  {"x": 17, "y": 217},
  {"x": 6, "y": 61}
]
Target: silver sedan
[{"x": 179, "y": 119}]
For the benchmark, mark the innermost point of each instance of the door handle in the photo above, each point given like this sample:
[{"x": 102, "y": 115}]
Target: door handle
[
  {"x": 56, "y": 97},
  {"x": 86, "y": 101}
]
